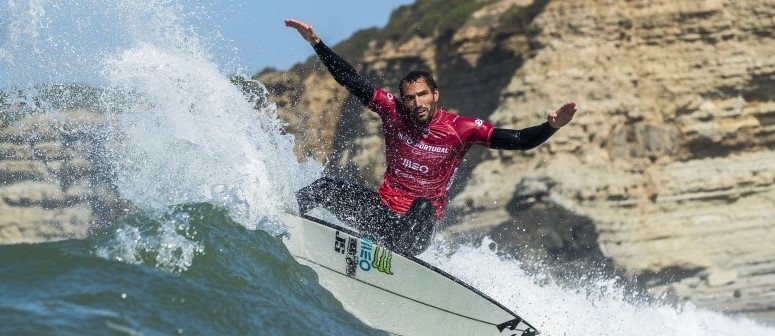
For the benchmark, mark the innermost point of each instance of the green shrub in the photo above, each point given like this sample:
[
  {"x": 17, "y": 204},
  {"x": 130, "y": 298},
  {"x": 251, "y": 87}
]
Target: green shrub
[
  {"x": 523, "y": 15},
  {"x": 427, "y": 17}
]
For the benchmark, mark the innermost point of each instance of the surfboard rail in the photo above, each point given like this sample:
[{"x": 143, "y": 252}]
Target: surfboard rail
[{"x": 391, "y": 291}]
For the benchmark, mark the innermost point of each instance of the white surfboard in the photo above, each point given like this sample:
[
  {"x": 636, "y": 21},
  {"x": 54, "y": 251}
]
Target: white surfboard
[{"x": 398, "y": 294}]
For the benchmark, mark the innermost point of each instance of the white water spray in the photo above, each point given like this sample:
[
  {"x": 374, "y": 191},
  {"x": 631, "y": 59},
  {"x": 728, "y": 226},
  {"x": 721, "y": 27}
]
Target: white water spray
[
  {"x": 180, "y": 132},
  {"x": 599, "y": 309},
  {"x": 193, "y": 136},
  {"x": 183, "y": 132}
]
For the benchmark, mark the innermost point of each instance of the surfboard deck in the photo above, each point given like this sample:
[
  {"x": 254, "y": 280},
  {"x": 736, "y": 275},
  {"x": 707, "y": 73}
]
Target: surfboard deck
[{"x": 399, "y": 294}]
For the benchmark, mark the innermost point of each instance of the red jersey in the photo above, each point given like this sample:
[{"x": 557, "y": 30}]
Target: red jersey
[{"x": 422, "y": 159}]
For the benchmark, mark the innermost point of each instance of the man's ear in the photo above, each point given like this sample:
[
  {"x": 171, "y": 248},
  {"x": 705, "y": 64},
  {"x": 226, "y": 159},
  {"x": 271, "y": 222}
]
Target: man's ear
[{"x": 436, "y": 95}]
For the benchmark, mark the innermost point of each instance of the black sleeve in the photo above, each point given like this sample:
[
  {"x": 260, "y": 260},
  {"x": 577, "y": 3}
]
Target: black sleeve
[
  {"x": 523, "y": 139},
  {"x": 344, "y": 73}
]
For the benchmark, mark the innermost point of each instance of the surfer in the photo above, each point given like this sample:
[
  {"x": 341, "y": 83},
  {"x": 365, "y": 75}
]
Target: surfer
[{"x": 424, "y": 144}]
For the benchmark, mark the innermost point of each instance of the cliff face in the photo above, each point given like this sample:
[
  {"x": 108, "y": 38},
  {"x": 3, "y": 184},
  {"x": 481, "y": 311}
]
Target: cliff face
[
  {"x": 53, "y": 184},
  {"x": 666, "y": 171}
]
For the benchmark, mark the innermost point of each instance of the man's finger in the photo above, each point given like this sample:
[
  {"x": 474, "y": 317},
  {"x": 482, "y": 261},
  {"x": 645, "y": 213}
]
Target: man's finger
[{"x": 296, "y": 24}]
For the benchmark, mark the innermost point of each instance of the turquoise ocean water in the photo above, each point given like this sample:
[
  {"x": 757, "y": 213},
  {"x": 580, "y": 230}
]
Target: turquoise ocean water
[{"x": 189, "y": 271}]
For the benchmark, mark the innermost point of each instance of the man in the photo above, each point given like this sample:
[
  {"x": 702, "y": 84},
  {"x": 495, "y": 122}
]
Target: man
[{"x": 424, "y": 145}]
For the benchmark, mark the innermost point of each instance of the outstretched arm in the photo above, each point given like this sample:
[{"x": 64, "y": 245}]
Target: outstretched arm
[
  {"x": 531, "y": 137},
  {"x": 343, "y": 72}
]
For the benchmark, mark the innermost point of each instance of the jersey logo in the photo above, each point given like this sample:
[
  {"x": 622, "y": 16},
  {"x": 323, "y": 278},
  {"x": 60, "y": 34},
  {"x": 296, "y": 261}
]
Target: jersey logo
[
  {"x": 415, "y": 166},
  {"x": 479, "y": 122},
  {"x": 419, "y": 145}
]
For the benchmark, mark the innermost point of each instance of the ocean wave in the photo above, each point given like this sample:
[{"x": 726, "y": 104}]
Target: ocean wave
[{"x": 189, "y": 270}]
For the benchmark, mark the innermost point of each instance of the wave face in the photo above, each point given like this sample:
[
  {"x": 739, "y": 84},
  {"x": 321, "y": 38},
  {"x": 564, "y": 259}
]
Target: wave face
[
  {"x": 210, "y": 168},
  {"x": 190, "y": 270}
]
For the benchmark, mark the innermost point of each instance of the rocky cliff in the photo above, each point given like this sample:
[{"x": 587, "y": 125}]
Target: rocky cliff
[
  {"x": 53, "y": 183},
  {"x": 666, "y": 172}
]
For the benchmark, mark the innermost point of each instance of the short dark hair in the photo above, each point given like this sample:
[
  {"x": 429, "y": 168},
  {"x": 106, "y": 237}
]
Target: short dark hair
[{"x": 416, "y": 75}]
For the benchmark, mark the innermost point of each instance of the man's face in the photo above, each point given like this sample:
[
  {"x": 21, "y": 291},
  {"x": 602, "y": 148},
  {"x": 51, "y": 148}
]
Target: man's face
[{"x": 420, "y": 101}]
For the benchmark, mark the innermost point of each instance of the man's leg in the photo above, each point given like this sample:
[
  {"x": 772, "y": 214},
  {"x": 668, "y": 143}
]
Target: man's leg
[
  {"x": 314, "y": 194},
  {"x": 331, "y": 194},
  {"x": 415, "y": 230},
  {"x": 362, "y": 208},
  {"x": 351, "y": 203}
]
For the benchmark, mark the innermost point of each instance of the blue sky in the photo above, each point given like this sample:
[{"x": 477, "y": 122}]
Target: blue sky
[
  {"x": 262, "y": 39},
  {"x": 245, "y": 36}
]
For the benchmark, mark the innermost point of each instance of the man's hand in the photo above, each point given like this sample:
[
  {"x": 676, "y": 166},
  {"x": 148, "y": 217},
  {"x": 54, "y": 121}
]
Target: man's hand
[
  {"x": 304, "y": 29},
  {"x": 563, "y": 115}
]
